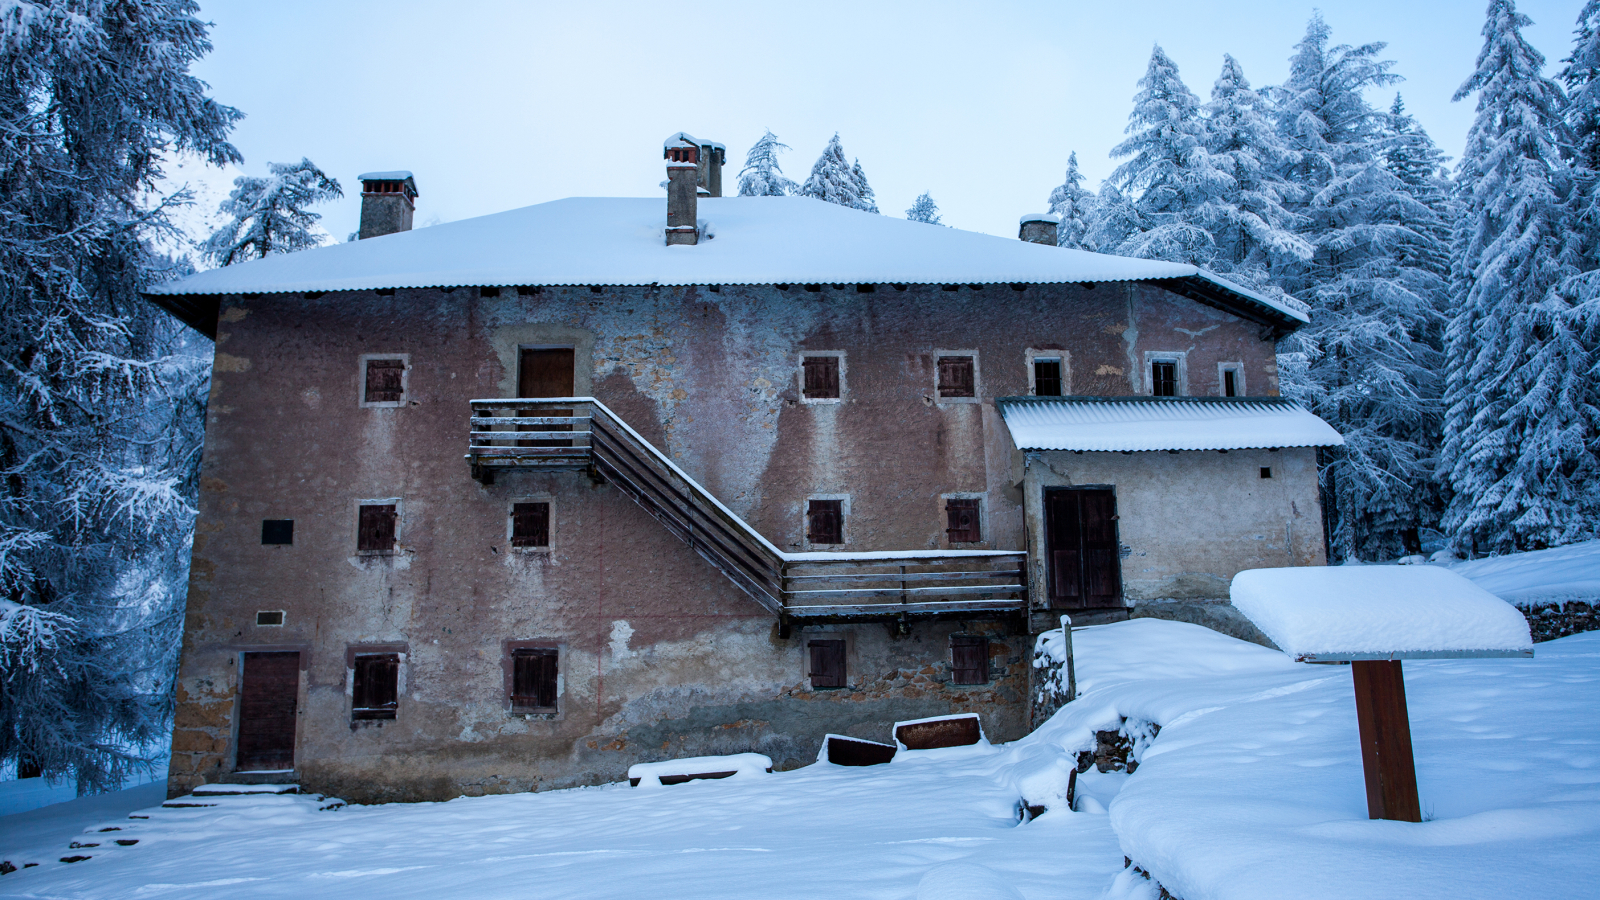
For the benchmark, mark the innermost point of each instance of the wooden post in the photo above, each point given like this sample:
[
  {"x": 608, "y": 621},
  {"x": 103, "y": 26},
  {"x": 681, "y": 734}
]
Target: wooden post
[{"x": 1386, "y": 741}]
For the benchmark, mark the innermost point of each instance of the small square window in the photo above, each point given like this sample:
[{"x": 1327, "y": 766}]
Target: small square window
[
  {"x": 530, "y": 524},
  {"x": 969, "y": 659},
  {"x": 1046, "y": 377},
  {"x": 375, "y": 692},
  {"x": 827, "y": 664},
  {"x": 385, "y": 380},
  {"x": 1266, "y": 471},
  {"x": 269, "y": 617},
  {"x": 957, "y": 376},
  {"x": 821, "y": 377},
  {"x": 825, "y": 521},
  {"x": 533, "y": 679},
  {"x": 962, "y": 523},
  {"x": 277, "y": 531},
  {"x": 377, "y": 528},
  {"x": 1164, "y": 378}
]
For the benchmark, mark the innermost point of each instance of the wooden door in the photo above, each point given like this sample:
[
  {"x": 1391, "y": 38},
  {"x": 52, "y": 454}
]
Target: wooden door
[
  {"x": 1082, "y": 548},
  {"x": 546, "y": 372},
  {"x": 269, "y": 693}
]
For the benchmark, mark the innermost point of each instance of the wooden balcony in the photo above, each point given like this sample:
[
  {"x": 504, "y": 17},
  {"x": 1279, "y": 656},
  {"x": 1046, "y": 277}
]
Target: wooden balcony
[{"x": 580, "y": 433}]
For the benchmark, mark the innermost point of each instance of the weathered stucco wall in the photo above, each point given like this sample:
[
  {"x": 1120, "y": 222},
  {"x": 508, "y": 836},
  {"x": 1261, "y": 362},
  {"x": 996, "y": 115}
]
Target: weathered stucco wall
[{"x": 660, "y": 655}]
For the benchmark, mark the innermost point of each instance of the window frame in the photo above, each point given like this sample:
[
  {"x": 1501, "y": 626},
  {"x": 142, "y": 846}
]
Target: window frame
[
  {"x": 405, "y": 381},
  {"x": 805, "y": 521},
  {"x": 800, "y": 375},
  {"x": 1064, "y": 357},
  {"x": 354, "y": 653},
  {"x": 550, "y": 523},
  {"x": 977, "y": 376},
  {"x": 1180, "y": 359},
  {"x": 509, "y": 652},
  {"x": 1237, "y": 368}
]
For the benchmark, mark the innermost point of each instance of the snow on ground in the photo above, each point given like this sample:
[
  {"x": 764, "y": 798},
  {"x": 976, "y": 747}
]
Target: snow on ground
[
  {"x": 1252, "y": 789},
  {"x": 1541, "y": 576}
]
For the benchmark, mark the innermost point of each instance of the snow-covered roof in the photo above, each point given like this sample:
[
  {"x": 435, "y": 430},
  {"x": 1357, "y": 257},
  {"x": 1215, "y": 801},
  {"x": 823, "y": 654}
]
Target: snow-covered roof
[
  {"x": 1052, "y": 218},
  {"x": 1162, "y": 423},
  {"x": 758, "y": 240},
  {"x": 1337, "y": 613}
]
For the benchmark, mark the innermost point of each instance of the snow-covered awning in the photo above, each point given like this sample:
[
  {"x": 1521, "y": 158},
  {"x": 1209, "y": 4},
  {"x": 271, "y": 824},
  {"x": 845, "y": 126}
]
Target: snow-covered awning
[
  {"x": 1162, "y": 423},
  {"x": 750, "y": 240}
]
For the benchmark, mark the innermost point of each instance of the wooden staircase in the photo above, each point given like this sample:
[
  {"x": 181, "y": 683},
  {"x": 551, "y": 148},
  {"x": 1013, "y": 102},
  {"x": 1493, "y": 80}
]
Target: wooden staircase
[{"x": 581, "y": 434}]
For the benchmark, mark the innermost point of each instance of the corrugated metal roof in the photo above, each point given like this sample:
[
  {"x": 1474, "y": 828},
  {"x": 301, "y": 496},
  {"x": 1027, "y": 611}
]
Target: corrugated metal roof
[
  {"x": 754, "y": 240},
  {"x": 1162, "y": 423}
]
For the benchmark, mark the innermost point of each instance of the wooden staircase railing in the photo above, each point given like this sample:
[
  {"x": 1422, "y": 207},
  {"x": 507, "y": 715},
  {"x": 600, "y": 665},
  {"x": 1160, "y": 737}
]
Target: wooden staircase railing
[{"x": 808, "y": 586}]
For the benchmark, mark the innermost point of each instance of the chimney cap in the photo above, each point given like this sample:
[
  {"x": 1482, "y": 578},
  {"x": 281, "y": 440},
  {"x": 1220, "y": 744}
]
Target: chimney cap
[
  {"x": 1052, "y": 218},
  {"x": 398, "y": 175}
]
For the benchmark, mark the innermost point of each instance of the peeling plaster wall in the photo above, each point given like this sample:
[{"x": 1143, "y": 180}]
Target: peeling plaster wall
[{"x": 660, "y": 655}]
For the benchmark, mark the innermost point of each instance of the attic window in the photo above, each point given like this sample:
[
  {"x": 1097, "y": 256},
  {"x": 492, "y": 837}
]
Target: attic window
[
  {"x": 1164, "y": 378},
  {"x": 957, "y": 376},
  {"x": 961, "y": 519},
  {"x": 375, "y": 689},
  {"x": 385, "y": 380},
  {"x": 825, "y": 521},
  {"x": 1046, "y": 377},
  {"x": 821, "y": 377},
  {"x": 534, "y": 672},
  {"x": 530, "y": 524},
  {"x": 969, "y": 659}
]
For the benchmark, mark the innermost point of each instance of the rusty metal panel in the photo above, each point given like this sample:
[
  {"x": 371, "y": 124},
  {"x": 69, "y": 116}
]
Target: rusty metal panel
[{"x": 939, "y": 733}]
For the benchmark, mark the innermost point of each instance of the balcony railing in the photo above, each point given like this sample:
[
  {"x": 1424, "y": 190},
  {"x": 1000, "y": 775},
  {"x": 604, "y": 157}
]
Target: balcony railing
[{"x": 581, "y": 433}]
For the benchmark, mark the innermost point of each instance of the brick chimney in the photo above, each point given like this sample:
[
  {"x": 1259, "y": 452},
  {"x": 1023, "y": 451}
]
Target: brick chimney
[
  {"x": 683, "y": 175},
  {"x": 1039, "y": 228},
  {"x": 388, "y": 200}
]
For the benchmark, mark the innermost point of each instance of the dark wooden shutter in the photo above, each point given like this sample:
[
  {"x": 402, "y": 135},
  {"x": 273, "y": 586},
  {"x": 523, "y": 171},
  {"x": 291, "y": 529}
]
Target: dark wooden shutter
[
  {"x": 377, "y": 528},
  {"x": 269, "y": 694},
  {"x": 384, "y": 380},
  {"x": 530, "y": 525},
  {"x": 1101, "y": 569},
  {"x": 822, "y": 377},
  {"x": 546, "y": 372},
  {"x": 969, "y": 659},
  {"x": 375, "y": 694},
  {"x": 1047, "y": 378},
  {"x": 533, "y": 678},
  {"x": 825, "y": 521},
  {"x": 827, "y": 664},
  {"x": 1164, "y": 378},
  {"x": 956, "y": 376},
  {"x": 962, "y": 521}
]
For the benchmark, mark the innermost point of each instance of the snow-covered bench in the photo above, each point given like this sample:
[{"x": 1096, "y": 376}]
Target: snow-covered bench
[{"x": 678, "y": 771}]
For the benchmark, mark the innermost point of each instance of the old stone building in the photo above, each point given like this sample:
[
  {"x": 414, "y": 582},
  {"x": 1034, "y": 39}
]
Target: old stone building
[{"x": 514, "y": 502}]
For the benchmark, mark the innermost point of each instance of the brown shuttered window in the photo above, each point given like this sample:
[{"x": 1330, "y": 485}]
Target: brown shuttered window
[
  {"x": 825, "y": 521},
  {"x": 1047, "y": 378},
  {"x": 375, "y": 693},
  {"x": 956, "y": 376},
  {"x": 827, "y": 664},
  {"x": 822, "y": 377},
  {"x": 969, "y": 659},
  {"x": 962, "y": 518},
  {"x": 1164, "y": 378},
  {"x": 377, "y": 528},
  {"x": 530, "y": 525},
  {"x": 533, "y": 679},
  {"x": 384, "y": 384}
]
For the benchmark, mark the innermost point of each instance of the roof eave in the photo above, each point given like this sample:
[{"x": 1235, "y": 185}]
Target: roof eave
[
  {"x": 198, "y": 311},
  {"x": 1274, "y": 323}
]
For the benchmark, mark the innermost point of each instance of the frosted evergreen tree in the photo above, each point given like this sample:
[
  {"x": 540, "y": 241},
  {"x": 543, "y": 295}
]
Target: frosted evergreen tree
[
  {"x": 761, "y": 175},
  {"x": 923, "y": 209},
  {"x": 1075, "y": 204},
  {"x": 1520, "y": 424},
  {"x": 1169, "y": 175},
  {"x": 270, "y": 215},
  {"x": 101, "y": 406},
  {"x": 1376, "y": 284},
  {"x": 834, "y": 180},
  {"x": 1251, "y": 231},
  {"x": 1582, "y": 78}
]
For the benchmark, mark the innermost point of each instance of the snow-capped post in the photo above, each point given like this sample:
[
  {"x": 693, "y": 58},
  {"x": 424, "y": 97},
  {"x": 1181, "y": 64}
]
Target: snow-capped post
[
  {"x": 683, "y": 174},
  {"x": 388, "y": 201},
  {"x": 1372, "y": 617},
  {"x": 1039, "y": 228}
]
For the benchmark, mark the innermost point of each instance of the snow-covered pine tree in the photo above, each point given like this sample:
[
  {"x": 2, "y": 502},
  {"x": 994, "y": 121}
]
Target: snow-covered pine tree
[
  {"x": 1251, "y": 230},
  {"x": 1170, "y": 174},
  {"x": 270, "y": 215},
  {"x": 1368, "y": 363},
  {"x": 1075, "y": 205},
  {"x": 1582, "y": 77},
  {"x": 100, "y": 407},
  {"x": 923, "y": 209},
  {"x": 1520, "y": 423},
  {"x": 761, "y": 175},
  {"x": 834, "y": 180}
]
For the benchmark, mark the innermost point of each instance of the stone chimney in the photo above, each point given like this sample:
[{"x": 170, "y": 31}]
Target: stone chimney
[
  {"x": 683, "y": 176},
  {"x": 1039, "y": 228},
  {"x": 388, "y": 200},
  {"x": 712, "y": 157}
]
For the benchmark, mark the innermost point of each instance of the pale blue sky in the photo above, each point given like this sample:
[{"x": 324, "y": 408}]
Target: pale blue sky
[{"x": 496, "y": 105}]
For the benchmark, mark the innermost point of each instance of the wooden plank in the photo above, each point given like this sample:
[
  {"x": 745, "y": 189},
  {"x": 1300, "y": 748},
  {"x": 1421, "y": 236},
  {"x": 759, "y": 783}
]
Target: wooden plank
[
  {"x": 901, "y": 560},
  {"x": 1385, "y": 727},
  {"x": 530, "y": 452},
  {"x": 523, "y": 435},
  {"x": 912, "y": 592},
  {"x": 909, "y": 576},
  {"x": 489, "y": 421},
  {"x": 894, "y": 610}
]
